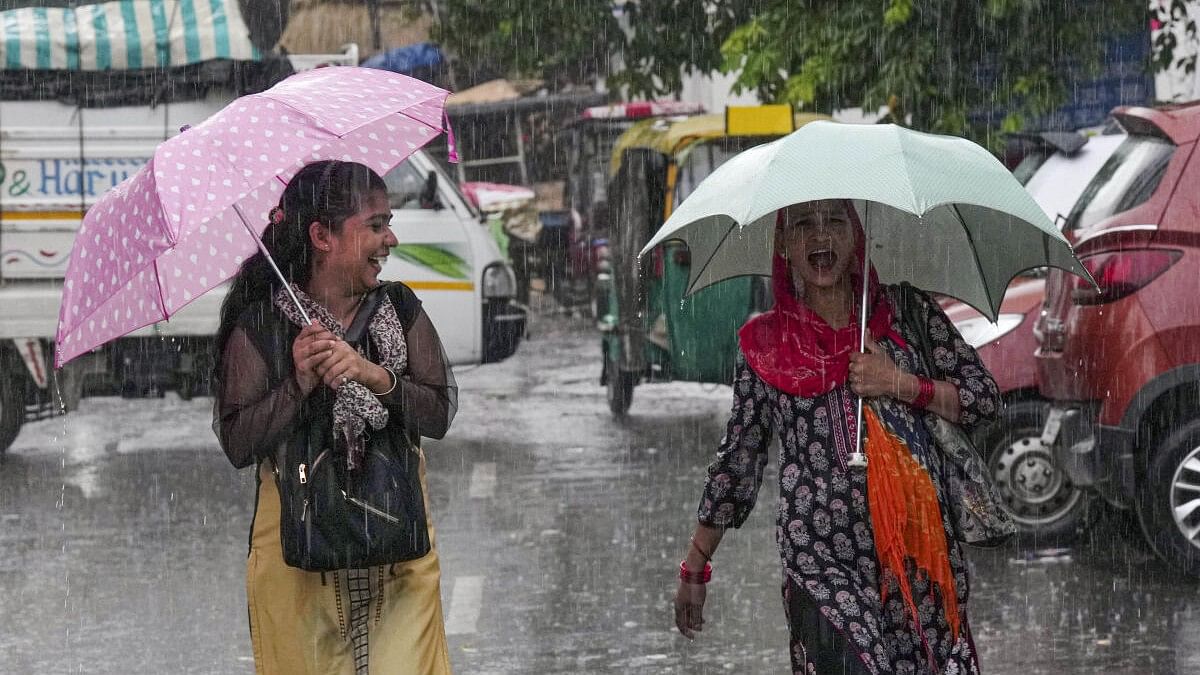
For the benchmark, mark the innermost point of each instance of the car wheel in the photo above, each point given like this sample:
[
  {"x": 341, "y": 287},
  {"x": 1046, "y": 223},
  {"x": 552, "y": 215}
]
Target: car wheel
[
  {"x": 12, "y": 401},
  {"x": 1039, "y": 495},
  {"x": 1169, "y": 505}
]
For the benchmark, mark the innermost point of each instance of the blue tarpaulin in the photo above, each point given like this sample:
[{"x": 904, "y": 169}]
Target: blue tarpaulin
[{"x": 406, "y": 60}]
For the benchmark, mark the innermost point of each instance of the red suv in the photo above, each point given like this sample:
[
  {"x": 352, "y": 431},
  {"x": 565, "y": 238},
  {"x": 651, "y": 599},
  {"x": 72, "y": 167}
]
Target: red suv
[
  {"x": 1043, "y": 502},
  {"x": 1121, "y": 365}
]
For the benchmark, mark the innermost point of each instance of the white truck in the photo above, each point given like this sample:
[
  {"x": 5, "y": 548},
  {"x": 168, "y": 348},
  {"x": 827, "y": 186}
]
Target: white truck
[{"x": 56, "y": 159}]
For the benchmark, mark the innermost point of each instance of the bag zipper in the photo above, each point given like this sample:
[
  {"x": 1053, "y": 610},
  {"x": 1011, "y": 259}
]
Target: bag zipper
[
  {"x": 370, "y": 509},
  {"x": 304, "y": 470}
]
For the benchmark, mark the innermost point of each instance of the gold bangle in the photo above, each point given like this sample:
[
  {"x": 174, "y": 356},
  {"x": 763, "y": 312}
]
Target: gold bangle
[{"x": 395, "y": 381}]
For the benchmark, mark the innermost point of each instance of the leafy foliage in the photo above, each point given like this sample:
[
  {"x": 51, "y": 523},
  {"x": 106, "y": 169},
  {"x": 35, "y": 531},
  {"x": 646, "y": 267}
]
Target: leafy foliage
[
  {"x": 944, "y": 65},
  {"x": 668, "y": 39},
  {"x": 559, "y": 42},
  {"x": 941, "y": 65}
]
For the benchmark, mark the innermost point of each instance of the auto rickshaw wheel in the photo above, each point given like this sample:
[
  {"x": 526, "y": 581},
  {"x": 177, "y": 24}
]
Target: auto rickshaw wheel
[{"x": 619, "y": 386}]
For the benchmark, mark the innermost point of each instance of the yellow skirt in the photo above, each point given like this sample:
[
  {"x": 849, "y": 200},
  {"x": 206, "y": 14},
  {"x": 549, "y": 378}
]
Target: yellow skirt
[{"x": 300, "y": 622}]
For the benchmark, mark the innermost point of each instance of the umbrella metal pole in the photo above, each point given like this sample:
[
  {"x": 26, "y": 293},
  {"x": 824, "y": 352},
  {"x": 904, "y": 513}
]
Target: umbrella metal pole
[
  {"x": 262, "y": 247},
  {"x": 857, "y": 458}
]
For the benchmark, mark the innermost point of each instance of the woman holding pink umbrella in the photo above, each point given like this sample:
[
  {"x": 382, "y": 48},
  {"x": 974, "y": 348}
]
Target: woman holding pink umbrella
[{"x": 353, "y": 366}]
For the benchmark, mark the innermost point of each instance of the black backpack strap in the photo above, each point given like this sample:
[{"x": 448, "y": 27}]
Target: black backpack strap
[
  {"x": 407, "y": 304},
  {"x": 366, "y": 311},
  {"x": 911, "y": 306}
]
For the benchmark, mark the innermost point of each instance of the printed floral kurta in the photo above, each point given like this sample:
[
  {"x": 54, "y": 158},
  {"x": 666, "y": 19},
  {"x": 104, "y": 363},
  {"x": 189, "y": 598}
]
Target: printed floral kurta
[{"x": 824, "y": 529}]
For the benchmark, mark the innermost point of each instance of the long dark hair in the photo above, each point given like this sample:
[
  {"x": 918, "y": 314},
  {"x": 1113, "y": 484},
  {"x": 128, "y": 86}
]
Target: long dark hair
[{"x": 327, "y": 192}]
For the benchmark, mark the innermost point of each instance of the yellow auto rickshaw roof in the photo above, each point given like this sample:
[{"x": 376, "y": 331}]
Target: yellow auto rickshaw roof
[{"x": 672, "y": 136}]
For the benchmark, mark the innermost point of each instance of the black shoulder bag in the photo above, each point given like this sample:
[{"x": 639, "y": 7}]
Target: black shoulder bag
[
  {"x": 975, "y": 508},
  {"x": 332, "y": 518}
]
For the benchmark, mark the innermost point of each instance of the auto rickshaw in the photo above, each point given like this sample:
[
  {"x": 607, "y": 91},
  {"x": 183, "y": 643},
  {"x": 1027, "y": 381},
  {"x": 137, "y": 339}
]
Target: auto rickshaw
[
  {"x": 589, "y": 141},
  {"x": 649, "y": 331}
]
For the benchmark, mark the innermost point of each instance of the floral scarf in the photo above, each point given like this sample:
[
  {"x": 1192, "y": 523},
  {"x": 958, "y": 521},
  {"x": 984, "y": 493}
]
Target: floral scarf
[{"x": 355, "y": 406}]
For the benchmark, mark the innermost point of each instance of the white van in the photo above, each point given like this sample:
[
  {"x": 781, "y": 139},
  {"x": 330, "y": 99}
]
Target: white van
[{"x": 56, "y": 160}]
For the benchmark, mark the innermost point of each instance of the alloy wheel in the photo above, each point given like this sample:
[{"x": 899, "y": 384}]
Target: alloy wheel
[{"x": 1185, "y": 497}]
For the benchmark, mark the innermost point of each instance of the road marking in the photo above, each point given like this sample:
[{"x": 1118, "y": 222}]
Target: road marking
[
  {"x": 483, "y": 481},
  {"x": 465, "y": 601}
]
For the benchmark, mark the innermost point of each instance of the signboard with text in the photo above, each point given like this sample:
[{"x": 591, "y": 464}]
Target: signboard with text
[{"x": 59, "y": 182}]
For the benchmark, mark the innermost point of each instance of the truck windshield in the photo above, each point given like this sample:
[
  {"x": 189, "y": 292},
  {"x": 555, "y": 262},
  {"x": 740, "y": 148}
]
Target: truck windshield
[{"x": 1128, "y": 178}]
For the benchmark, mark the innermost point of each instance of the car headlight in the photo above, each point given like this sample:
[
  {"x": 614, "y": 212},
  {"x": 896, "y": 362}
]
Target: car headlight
[
  {"x": 499, "y": 281},
  {"x": 979, "y": 331}
]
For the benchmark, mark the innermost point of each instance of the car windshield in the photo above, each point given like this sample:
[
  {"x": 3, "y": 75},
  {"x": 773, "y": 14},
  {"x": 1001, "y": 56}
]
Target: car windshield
[{"x": 1127, "y": 179}]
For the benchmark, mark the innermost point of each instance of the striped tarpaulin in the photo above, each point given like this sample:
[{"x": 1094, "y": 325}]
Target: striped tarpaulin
[{"x": 124, "y": 34}]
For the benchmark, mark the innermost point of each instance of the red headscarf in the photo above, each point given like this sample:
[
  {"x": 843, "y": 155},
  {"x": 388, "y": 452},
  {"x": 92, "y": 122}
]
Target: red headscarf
[{"x": 795, "y": 350}]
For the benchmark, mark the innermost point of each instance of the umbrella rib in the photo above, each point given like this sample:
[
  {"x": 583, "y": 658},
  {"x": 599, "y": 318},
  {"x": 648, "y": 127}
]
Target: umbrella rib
[
  {"x": 162, "y": 300},
  {"x": 987, "y": 291},
  {"x": 716, "y": 248}
]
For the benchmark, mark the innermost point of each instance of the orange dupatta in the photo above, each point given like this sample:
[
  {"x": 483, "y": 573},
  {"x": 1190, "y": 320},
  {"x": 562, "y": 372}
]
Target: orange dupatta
[{"x": 906, "y": 518}]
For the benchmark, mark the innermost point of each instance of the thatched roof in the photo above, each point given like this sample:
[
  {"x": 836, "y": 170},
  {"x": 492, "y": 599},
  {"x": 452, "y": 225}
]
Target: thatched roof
[{"x": 323, "y": 26}]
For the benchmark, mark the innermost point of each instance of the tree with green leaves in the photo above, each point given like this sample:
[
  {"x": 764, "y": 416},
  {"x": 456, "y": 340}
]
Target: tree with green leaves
[
  {"x": 559, "y": 42},
  {"x": 966, "y": 67},
  {"x": 946, "y": 66}
]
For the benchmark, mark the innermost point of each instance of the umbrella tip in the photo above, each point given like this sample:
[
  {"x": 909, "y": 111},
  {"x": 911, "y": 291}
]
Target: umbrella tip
[{"x": 184, "y": 128}]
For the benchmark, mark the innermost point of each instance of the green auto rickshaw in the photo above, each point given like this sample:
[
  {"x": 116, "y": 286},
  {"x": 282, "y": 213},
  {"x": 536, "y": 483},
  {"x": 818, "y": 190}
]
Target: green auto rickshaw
[{"x": 649, "y": 331}]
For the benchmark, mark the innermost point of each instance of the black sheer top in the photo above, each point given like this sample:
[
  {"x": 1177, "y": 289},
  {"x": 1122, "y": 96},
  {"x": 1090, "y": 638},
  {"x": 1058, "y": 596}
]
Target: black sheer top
[{"x": 259, "y": 402}]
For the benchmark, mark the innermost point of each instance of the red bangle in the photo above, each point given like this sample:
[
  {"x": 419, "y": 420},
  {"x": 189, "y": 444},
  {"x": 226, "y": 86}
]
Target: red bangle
[
  {"x": 924, "y": 393},
  {"x": 689, "y": 577}
]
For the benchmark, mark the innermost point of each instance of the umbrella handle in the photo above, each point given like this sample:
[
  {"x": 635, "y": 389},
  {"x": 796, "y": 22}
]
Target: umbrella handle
[
  {"x": 262, "y": 247},
  {"x": 858, "y": 458}
]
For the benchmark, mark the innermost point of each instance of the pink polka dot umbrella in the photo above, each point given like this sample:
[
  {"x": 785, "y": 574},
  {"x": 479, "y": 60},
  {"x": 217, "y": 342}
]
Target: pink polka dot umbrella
[{"x": 184, "y": 223}]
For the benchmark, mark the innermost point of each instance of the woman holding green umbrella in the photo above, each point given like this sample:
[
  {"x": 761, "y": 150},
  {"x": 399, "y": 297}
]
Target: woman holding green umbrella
[{"x": 874, "y": 581}]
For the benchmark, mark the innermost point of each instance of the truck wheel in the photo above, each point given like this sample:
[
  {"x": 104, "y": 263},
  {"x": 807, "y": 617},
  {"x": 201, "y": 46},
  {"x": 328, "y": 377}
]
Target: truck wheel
[
  {"x": 186, "y": 387},
  {"x": 1038, "y": 494},
  {"x": 1168, "y": 506},
  {"x": 619, "y": 388},
  {"x": 12, "y": 401}
]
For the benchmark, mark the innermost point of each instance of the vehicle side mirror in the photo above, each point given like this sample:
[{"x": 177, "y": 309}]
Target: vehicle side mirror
[{"x": 429, "y": 195}]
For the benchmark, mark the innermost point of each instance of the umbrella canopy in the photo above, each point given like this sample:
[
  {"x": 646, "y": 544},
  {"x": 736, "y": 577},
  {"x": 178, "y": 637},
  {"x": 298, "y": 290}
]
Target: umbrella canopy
[
  {"x": 182, "y": 224},
  {"x": 940, "y": 212}
]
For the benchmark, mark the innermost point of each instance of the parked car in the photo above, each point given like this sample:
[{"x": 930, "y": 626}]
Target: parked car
[
  {"x": 1121, "y": 363},
  {"x": 1041, "y": 497}
]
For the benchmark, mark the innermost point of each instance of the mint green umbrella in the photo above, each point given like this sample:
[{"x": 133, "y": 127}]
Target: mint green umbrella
[{"x": 939, "y": 212}]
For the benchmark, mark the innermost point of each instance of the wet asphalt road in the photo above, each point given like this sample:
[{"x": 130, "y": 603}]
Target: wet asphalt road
[{"x": 123, "y": 540}]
